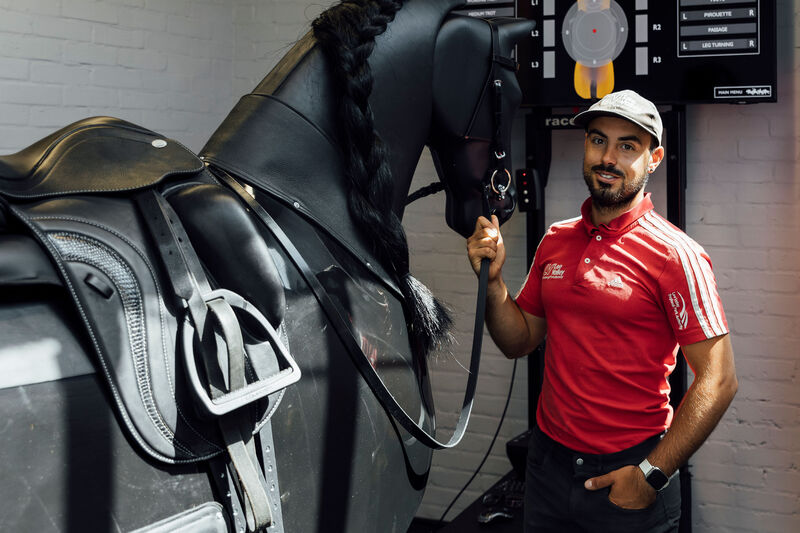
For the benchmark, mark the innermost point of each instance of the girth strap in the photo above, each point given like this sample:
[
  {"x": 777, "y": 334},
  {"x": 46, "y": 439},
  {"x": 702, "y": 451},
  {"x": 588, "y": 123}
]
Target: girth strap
[
  {"x": 190, "y": 284},
  {"x": 336, "y": 315}
]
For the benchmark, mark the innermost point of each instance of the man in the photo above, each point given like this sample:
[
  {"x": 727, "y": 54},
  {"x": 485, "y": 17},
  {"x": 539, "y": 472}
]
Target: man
[{"x": 616, "y": 291}]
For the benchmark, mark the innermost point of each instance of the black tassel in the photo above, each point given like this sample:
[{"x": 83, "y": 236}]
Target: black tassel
[{"x": 431, "y": 320}]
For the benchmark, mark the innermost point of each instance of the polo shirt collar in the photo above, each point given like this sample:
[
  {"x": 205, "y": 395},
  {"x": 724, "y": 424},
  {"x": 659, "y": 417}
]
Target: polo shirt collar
[{"x": 622, "y": 223}]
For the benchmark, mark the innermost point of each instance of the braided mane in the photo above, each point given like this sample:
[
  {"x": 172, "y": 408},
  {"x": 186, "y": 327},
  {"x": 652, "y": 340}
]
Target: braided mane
[{"x": 346, "y": 35}]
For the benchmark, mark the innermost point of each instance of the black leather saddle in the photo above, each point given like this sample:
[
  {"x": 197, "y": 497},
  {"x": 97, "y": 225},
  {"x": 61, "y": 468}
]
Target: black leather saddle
[
  {"x": 94, "y": 155},
  {"x": 172, "y": 279}
]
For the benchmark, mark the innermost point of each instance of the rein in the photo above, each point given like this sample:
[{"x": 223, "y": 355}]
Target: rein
[
  {"x": 493, "y": 192},
  {"x": 493, "y": 195},
  {"x": 337, "y": 317}
]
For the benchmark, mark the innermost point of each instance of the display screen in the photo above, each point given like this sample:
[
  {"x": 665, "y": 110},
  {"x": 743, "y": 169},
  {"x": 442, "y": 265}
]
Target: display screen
[{"x": 671, "y": 51}]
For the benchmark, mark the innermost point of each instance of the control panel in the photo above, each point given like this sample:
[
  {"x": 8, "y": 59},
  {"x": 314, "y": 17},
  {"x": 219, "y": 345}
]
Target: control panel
[{"x": 671, "y": 51}]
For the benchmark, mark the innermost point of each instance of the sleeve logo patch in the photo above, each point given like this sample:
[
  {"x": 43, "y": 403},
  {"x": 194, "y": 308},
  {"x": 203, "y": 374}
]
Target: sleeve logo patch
[
  {"x": 553, "y": 271},
  {"x": 679, "y": 308}
]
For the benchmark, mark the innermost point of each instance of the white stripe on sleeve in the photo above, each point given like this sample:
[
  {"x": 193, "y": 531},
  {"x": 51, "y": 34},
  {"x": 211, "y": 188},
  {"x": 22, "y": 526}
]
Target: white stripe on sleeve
[
  {"x": 692, "y": 271},
  {"x": 704, "y": 276}
]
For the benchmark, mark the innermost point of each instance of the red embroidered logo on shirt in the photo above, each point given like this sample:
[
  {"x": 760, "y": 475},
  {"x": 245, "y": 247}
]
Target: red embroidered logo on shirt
[
  {"x": 679, "y": 308},
  {"x": 553, "y": 271}
]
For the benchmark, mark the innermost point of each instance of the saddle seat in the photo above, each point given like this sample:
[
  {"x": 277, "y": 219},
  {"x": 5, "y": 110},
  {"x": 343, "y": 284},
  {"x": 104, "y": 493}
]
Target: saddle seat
[
  {"x": 20, "y": 165},
  {"x": 97, "y": 154}
]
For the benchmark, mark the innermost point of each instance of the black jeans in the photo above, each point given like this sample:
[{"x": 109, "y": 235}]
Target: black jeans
[{"x": 556, "y": 500}]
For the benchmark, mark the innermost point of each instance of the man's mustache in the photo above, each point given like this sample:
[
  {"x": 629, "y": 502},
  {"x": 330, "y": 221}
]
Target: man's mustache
[{"x": 608, "y": 170}]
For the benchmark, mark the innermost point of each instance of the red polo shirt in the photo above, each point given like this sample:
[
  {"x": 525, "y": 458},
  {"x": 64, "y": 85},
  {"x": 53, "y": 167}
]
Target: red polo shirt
[{"x": 618, "y": 299}]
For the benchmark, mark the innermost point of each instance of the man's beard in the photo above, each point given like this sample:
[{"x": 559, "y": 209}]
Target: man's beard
[{"x": 604, "y": 196}]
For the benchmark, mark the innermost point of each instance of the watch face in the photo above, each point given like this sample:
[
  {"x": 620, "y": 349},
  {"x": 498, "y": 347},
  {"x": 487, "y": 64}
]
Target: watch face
[{"x": 657, "y": 479}]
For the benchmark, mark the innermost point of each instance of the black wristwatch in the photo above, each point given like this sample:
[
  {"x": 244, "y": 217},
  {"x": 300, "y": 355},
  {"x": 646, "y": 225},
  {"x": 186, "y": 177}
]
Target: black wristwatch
[{"x": 657, "y": 479}]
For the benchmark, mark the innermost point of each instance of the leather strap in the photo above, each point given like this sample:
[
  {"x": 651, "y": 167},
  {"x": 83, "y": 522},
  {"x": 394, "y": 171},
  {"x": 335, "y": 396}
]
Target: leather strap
[
  {"x": 226, "y": 318},
  {"x": 497, "y": 146},
  {"x": 504, "y": 61},
  {"x": 242, "y": 452},
  {"x": 337, "y": 317},
  {"x": 185, "y": 272},
  {"x": 183, "y": 267},
  {"x": 235, "y": 429},
  {"x": 498, "y": 178}
]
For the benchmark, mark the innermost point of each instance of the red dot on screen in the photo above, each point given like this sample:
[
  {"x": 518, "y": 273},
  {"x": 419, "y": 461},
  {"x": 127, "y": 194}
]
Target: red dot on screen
[{"x": 594, "y": 30}]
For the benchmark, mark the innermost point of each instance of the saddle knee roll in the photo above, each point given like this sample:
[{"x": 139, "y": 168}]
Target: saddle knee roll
[{"x": 231, "y": 246}]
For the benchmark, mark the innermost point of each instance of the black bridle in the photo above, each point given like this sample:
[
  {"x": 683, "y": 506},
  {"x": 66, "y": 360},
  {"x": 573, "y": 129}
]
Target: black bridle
[
  {"x": 494, "y": 193},
  {"x": 497, "y": 180},
  {"x": 494, "y": 190}
]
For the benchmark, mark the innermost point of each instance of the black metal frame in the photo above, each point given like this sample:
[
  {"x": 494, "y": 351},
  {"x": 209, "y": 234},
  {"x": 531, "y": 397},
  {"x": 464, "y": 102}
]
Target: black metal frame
[{"x": 538, "y": 152}]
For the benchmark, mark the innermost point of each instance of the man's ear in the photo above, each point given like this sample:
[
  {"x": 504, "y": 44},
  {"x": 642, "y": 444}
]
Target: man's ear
[{"x": 656, "y": 156}]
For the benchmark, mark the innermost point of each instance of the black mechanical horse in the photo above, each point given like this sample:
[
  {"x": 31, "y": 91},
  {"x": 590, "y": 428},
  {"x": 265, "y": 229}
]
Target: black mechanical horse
[{"x": 257, "y": 338}]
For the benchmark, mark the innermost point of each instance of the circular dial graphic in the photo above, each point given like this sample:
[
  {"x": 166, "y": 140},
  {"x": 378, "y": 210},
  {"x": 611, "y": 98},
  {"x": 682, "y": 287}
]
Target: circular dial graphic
[{"x": 594, "y": 32}]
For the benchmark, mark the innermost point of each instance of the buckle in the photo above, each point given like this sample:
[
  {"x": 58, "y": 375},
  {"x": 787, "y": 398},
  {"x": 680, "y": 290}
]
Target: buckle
[
  {"x": 220, "y": 304},
  {"x": 500, "y": 190}
]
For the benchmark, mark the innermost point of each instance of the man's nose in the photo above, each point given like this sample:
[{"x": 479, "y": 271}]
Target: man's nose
[{"x": 609, "y": 157}]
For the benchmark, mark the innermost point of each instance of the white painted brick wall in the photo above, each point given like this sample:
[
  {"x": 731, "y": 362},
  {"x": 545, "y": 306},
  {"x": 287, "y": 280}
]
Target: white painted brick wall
[
  {"x": 265, "y": 30},
  {"x": 746, "y": 476},
  {"x": 177, "y": 66},
  {"x": 163, "y": 64},
  {"x": 174, "y": 66}
]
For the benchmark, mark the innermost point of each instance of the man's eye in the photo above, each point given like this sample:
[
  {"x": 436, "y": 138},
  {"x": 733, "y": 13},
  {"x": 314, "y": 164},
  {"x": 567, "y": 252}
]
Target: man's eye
[
  {"x": 597, "y": 140},
  {"x": 627, "y": 147}
]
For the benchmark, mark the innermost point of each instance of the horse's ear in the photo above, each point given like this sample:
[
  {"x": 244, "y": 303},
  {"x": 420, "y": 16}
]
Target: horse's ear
[{"x": 511, "y": 31}]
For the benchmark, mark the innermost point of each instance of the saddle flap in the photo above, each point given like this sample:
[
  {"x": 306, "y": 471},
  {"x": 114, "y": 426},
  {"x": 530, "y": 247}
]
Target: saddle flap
[{"x": 97, "y": 155}]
